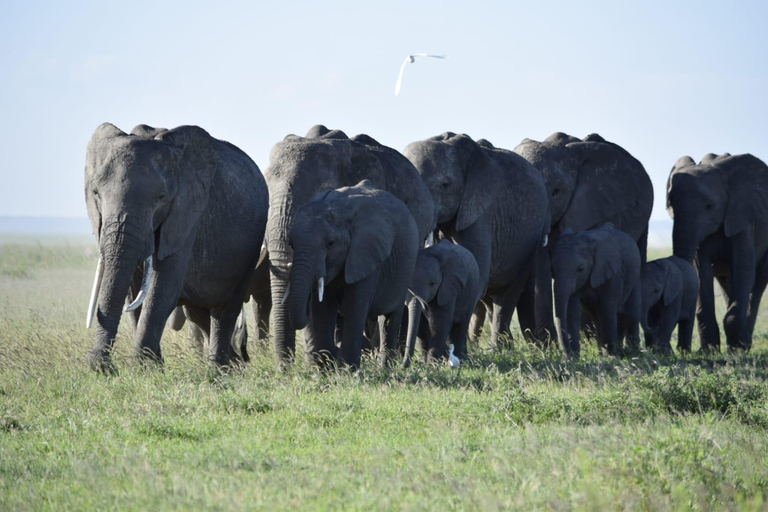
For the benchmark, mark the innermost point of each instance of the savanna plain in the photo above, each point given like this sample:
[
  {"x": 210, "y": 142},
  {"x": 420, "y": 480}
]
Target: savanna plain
[{"x": 511, "y": 429}]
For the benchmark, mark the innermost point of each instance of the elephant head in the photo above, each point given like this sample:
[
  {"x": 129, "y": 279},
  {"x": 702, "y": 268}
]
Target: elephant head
[
  {"x": 558, "y": 165},
  {"x": 720, "y": 192},
  {"x": 584, "y": 259},
  {"x": 145, "y": 193},
  {"x": 660, "y": 284},
  {"x": 439, "y": 277},
  {"x": 338, "y": 232},
  {"x": 463, "y": 187}
]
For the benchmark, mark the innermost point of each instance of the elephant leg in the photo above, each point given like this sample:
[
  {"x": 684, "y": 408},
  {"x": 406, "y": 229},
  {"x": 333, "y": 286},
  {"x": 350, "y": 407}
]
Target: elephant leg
[
  {"x": 477, "y": 322},
  {"x": 372, "y": 336},
  {"x": 754, "y": 304},
  {"x": 667, "y": 322},
  {"x": 526, "y": 311},
  {"x": 685, "y": 335},
  {"x": 631, "y": 321},
  {"x": 537, "y": 296},
  {"x": 440, "y": 324},
  {"x": 389, "y": 330},
  {"x": 709, "y": 332},
  {"x": 240, "y": 336},
  {"x": 355, "y": 306},
  {"x": 199, "y": 327},
  {"x": 319, "y": 334},
  {"x": 736, "y": 324},
  {"x": 177, "y": 319},
  {"x": 503, "y": 309},
  {"x": 607, "y": 327},
  {"x": 459, "y": 339},
  {"x": 162, "y": 299},
  {"x": 574, "y": 327},
  {"x": 223, "y": 321}
]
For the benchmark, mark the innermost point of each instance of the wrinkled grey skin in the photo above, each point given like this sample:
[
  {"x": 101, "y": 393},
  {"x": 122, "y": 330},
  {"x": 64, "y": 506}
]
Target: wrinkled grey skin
[
  {"x": 492, "y": 202},
  {"x": 669, "y": 289},
  {"x": 198, "y": 206},
  {"x": 363, "y": 242},
  {"x": 447, "y": 279},
  {"x": 598, "y": 269},
  {"x": 300, "y": 168},
  {"x": 589, "y": 182},
  {"x": 720, "y": 209}
]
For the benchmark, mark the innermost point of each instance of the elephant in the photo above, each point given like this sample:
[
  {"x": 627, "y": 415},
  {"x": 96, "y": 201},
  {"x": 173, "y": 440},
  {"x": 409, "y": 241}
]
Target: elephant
[
  {"x": 192, "y": 209},
  {"x": 598, "y": 269},
  {"x": 720, "y": 210},
  {"x": 446, "y": 282},
  {"x": 359, "y": 244},
  {"x": 669, "y": 288},
  {"x": 589, "y": 182},
  {"x": 492, "y": 202},
  {"x": 300, "y": 168}
]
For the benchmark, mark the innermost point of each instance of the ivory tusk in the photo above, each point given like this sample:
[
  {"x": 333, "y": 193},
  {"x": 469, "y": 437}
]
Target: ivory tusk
[
  {"x": 546, "y": 241},
  {"x": 431, "y": 239},
  {"x": 94, "y": 293},
  {"x": 262, "y": 256},
  {"x": 320, "y": 288},
  {"x": 286, "y": 294},
  {"x": 144, "y": 287}
]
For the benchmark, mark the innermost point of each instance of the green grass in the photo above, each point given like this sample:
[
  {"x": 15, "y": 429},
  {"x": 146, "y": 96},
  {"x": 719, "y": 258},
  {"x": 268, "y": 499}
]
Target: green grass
[{"x": 516, "y": 429}]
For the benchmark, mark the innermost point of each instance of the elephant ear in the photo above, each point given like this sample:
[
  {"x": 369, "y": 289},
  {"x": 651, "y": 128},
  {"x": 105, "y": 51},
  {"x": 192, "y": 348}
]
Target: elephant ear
[
  {"x": 610, "y": 181},
  {"x": 96, "y": 155},
  {"x": 455, "y": 276},
  {"x": 371, "y": 239},
  {"x": 607, "y": 260},
  {"x": 747, "y": 192},
  {"x": 192, "y": 150},
  {"x": 673, "y": 286},
  {"x": 480, "y": 184}
]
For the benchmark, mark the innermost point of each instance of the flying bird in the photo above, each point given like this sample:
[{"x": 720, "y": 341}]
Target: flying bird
[{"x": 410, "y": 60}]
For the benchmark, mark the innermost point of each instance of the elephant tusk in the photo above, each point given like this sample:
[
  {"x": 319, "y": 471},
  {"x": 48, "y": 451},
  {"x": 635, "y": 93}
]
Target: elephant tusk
[
  {"x": 94, "y": 293},
  {"x": 453, "y": 361},
  {"x": 240, "y": 320},
  {"x": 546, "y": 241},
  {"x": 286, "y": 294},
  {"x": 320, "y": 289},
  {"x": 431, "y": 239},
  {"x": 144, "y": 287},
  {"x": 262, "y": 255}
]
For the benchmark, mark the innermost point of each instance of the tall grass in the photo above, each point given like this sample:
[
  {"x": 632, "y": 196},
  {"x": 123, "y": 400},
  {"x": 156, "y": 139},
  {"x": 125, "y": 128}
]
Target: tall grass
[{"x": 511, "y": 429}]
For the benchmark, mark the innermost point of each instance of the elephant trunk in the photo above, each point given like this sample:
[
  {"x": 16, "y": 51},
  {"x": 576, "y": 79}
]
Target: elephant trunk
[
  {"x": 120, "y": 257},
  {"x": 301, "y": 281},
  {"x": 685, "y": 239},
  {"x": 414, "y": 318}
]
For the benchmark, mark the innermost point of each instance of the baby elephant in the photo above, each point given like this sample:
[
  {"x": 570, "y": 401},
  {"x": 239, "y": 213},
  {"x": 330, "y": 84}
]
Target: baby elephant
[
  {"x": 670, "y": 287},
  {"x": 598, "y": 269},
  {"x": 446, "y": 280}
]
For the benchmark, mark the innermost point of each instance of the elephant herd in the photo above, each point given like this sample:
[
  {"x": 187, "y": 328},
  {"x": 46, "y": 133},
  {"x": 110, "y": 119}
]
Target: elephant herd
[{"x": 337, "y": 238}]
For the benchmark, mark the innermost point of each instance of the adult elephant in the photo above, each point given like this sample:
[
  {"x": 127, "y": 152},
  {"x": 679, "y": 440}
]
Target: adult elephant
[
  {"x": 589, "y": 182},
  {"x": 492, "y": 202},
  {"x": 300, "y": 168},
  {"x": 192, "y": 209},
  {"x": 719, "y": 209}
]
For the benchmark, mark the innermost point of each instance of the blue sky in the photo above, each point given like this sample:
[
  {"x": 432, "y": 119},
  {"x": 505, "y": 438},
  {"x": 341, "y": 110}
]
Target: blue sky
[{"x": 662, "y": 79}]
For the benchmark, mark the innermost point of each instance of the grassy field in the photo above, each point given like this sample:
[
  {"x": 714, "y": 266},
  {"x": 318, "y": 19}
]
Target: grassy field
[{"x": 516, "y": 429}]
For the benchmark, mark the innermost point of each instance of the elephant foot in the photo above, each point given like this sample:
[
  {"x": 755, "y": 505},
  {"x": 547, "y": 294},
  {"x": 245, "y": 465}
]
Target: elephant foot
[
  {"x": 101, "y": 362},
  {"x": 148, "y": 358},
  {"x": 662, "y": 349},
  {"x": 709, "y": 349}
]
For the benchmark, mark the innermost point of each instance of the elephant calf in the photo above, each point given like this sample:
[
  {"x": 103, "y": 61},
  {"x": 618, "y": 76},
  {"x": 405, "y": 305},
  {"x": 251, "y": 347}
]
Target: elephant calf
[
  {"x": 669, "y": 287},
  {"x": 359, "y": 244},
  {"x": 598, "y": 269},
  {"x": 447, "y": 280}
]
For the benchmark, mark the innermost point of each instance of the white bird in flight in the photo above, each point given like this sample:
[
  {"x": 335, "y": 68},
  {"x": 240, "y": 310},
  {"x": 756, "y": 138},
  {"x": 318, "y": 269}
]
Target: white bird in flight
[{"x": 409, "y": 60}]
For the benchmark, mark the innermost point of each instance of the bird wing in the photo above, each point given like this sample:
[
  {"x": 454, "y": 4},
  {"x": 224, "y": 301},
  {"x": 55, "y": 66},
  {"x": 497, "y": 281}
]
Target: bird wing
[
  {"x": 429, "y": 55},
  {"x": 400, "y": 76}
]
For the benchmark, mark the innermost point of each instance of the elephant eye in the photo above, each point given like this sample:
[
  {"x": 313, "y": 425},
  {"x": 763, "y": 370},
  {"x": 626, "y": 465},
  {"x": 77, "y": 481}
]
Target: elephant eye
[
  {"x": 580, "y": 268},
  {"x": 709, "y": 206},
  {"x": 330, "y": 244},
  {"x": 555, "y": 192},
  {"x": 445, "y": 184}
]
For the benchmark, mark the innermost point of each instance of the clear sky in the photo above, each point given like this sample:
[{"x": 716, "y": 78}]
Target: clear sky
[{"x": 661, "y": 78}]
